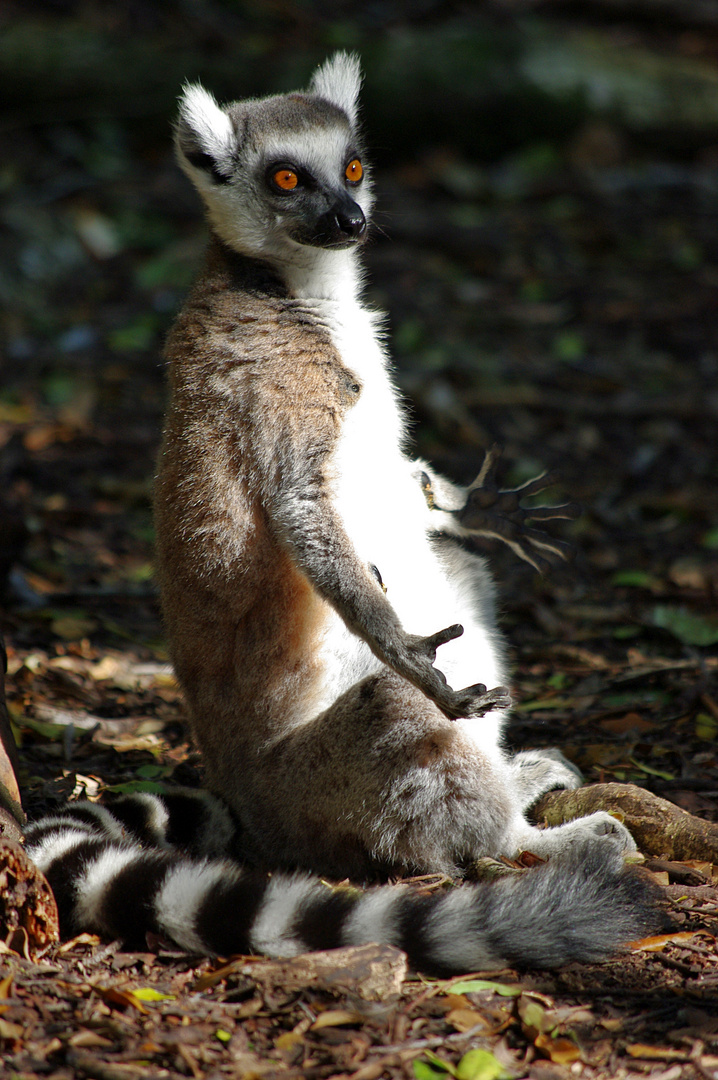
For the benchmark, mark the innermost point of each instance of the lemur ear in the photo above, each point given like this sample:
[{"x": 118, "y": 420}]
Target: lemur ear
[
  {"x": 204, "y": 133},
  {"x": 339, "y": 80}
]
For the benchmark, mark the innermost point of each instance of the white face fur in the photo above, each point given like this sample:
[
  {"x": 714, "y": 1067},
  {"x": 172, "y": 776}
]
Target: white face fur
[{"x": 282, "y": 177}]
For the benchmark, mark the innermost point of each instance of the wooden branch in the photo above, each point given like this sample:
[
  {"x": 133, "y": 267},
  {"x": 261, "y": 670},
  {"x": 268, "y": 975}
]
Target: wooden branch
[{"x": 659, "y": 827}]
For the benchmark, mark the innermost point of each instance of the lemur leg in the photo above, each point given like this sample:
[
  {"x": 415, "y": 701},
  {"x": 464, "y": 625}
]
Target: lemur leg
[
  {"x": 380, "y": 781},
  {"x": 537, "y": 771},
  {"x": 390, "y": 785}
]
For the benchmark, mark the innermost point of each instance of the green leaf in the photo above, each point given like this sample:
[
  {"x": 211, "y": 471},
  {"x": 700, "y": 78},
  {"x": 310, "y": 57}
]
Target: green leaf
[
  {"x": 59, "y": 388},
  {"x": 634, "y": 698},
  {"x": 473, "y": 986},
  {"x": 706, "y": 726},
  {"x": 534, "y": 1015},
  {"x": 73, "y": 627},
  {"x": 153, "y": 772},
  {"x": 440, "y": 1063},
  {"x": 136, "y": 336},
  {"x": 637, "y": 579},
  {"x": 651, "y": 771},
  {"x": 710, "y": 539},
  {"x": 558, "y": 680},
  {"x": 148, "y": 993},
  {"x": 164, "y": 271},
  {"x": 624, "y": 632},
  {"x": 434, "y": 1070},
  {"x": 545, "y": 703},
  {"x": 51, "y": 732},
  {"x": 222, "y": 1035},
  {"x": 569, "y": 346},
  {"x": 691, "y": 629},
  {"x": 479, "y": 1065},
  {"x": 137, "y": 785}
]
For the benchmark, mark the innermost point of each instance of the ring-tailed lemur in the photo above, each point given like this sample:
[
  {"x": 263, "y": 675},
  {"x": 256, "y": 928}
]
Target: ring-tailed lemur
[{"x": 306, "y": 568}]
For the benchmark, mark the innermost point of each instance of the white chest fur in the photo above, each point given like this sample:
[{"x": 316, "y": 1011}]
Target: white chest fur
[{"x": 386, "y": 515}]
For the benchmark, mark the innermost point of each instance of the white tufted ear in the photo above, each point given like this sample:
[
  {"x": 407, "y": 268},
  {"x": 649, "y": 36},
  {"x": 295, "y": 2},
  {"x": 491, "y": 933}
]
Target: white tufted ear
[
  {"x": 202, "y": 128},
  {"x": 339, "y": 80}
]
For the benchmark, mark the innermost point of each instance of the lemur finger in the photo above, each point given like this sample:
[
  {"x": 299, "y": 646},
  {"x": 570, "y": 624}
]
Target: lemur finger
[
  {"x": 482, "y": 700},
  {"x": 475, "y": 701},
  {"x": 545, "y": 543},
  {"x": 563, "y": 511},
  {"x": 535, "y": 485},
  {"x": 435, "y": 641}
]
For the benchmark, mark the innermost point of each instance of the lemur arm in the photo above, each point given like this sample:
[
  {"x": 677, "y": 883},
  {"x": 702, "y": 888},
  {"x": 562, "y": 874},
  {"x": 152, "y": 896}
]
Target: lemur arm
[
  {"x": 484, "y": 509},
  {"x": 305, "y": 519}
]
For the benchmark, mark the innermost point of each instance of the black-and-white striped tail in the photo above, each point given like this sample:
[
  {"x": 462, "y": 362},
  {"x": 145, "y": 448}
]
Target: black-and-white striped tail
[{"x": 582, "y": 905}]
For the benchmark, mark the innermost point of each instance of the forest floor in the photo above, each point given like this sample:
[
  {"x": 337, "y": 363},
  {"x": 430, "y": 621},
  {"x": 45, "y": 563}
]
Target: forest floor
[{"x": 555, "y": 304}]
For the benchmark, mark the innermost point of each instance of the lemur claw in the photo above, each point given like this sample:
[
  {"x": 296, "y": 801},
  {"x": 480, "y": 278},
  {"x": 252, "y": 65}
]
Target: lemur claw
[{"x": 497, "y": 512}]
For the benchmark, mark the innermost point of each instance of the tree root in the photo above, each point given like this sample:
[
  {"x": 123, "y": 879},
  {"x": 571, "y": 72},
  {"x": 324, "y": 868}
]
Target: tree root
[{"x": 659, "y": 827}]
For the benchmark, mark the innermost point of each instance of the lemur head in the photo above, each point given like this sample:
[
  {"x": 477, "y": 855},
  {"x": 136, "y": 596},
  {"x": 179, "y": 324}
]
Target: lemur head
[{"x": 282, "y": 173}]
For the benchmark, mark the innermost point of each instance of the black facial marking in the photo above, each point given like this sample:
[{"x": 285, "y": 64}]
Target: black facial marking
[{"x": 206, "y": 162}]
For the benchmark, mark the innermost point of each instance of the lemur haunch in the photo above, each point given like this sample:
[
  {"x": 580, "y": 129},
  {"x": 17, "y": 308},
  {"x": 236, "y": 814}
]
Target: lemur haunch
[{"x": 309, "y": 573}]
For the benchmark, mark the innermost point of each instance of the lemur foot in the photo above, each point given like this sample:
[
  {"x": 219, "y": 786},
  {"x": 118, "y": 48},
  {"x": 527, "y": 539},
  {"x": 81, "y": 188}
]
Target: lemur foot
[
  {"x": 602, "y": 825},
  {"x": 497, "y": 512},
  {"x": 581, "y": 834}
]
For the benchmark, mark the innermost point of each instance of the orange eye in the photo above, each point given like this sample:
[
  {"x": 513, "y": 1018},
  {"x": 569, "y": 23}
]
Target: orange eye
[
  {"x": 354, "y": 171},
  {"x": 286, "y": 179}
]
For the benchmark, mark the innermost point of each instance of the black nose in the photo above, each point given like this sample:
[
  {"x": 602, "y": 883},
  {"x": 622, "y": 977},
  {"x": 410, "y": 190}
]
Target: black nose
[
  {"x": 351, "y": 223},
  {"x": 341, "y": 225}
]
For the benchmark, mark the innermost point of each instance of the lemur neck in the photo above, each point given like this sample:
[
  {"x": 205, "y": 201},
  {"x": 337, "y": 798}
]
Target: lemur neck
[
  {"x": 306, "y": 273},
  {"x": 317, "y": 274}
]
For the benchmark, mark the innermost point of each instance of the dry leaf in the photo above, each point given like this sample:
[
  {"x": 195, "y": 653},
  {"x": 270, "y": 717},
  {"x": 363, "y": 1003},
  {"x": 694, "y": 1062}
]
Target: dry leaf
[
  {"x": 465, "y": 1019},
  {"x": 370, "y": 1072},
  {"x": 455, "y": 1001},
  {"x": 655, "y": 1053},
  {"x": 288, "y": 1040},
  {"x": 81, "y": 939},
  {"x": 631, "y": 722},
  {"x": 119, "y": 999},
  {"x": 150, "y": 1047},
  {"x": 336, "y": 1018},
  {"x": 88, "y": 1038},
  {"x": 249, "y": 1008},
  {"x": 658, "y": 942},
  {"x": 10, "y": 1032},
  {"x": 561, "y": 1051}
]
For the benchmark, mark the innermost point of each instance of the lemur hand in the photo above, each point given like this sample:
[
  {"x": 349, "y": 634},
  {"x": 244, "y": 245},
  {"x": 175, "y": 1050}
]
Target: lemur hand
[{"x": 416, "y": 662}]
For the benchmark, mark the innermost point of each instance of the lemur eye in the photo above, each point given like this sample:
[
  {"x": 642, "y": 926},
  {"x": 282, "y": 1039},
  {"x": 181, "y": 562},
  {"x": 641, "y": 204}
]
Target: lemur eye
[
  {"x": 354, "y": 171},
  {"x": 286, "y": 179}
]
